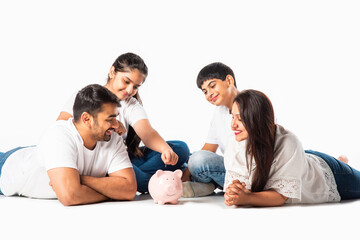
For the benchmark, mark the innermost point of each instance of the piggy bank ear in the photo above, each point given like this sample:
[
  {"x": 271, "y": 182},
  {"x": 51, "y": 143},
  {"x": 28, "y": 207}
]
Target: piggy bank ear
[
  {"x": 178, "y": 173},
  {"x": 159, "y": 173}
]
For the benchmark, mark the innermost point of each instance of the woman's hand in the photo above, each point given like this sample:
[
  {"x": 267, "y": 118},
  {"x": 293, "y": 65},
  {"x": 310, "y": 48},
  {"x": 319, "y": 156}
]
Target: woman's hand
[
  {"x": 236, "y": 194},
  {"x": 169, "y": 157}
]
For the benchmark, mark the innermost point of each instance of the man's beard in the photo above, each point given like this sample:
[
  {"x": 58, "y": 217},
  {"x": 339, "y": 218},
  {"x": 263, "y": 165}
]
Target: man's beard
[{"x": 105, "y": 137}]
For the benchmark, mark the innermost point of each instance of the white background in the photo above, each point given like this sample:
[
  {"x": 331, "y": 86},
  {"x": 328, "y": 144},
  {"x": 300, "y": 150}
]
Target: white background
[{"x": 305, "y": 55}]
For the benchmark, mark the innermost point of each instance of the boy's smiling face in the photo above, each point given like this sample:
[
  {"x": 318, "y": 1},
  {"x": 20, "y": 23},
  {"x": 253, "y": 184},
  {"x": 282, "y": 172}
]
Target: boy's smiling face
[{"x": 217, "y": 91}]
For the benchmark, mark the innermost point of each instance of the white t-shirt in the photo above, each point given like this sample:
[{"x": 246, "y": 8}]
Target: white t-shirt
[
  {"x": 130, "y": 111},
  {"x": 25, "y": 171},
  {"x": 220, "y": 127},
  {"x": 303, "y": 178}
]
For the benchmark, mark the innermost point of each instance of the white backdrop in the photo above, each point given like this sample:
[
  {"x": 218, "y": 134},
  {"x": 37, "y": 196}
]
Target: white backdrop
[{"x": 304, "y": 55}]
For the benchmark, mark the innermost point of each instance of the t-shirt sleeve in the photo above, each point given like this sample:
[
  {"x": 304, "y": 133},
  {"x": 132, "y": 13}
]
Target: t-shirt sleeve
[
  {"x": 134, "y": 112},
  {"x": 68, "y": 107},
  {"x": 120, "y": 159},
  {"x": 285, "y": 173},
  {"x": 212, "y": 137},
  {"x": 58, "y": 149}
]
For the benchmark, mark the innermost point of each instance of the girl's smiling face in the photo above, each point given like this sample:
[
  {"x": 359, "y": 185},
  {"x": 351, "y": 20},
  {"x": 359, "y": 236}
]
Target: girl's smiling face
[
  {"x": 237, "y": 125},
  {"x": 125, "y": 84}
]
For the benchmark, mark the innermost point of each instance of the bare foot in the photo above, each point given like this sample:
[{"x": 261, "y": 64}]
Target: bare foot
[
  {"x": 344, "y": 159},
  {"x": 186, "y": 175}
]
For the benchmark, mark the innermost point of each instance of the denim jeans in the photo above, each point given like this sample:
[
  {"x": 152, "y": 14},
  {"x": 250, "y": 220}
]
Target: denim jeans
[
  {"x": 4, "y": 157},
  {"x": 206, "y": 167},
  {"x": 347, "y": 178},
  {"x": 145, "y": 167}
]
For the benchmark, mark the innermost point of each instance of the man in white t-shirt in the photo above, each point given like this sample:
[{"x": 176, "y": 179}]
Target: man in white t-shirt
[
  {"x": 206, "y": 168},
  {"x": 78, "y": 161}
]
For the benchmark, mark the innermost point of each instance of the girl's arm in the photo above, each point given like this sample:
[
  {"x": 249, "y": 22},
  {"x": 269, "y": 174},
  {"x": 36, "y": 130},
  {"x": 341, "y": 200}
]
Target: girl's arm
[
  {"x": 64, "y": 116},
  {"x": 151, "y": 138},
  {"x": 210, "y": 147},
  {"x": 237, "y": 194}
]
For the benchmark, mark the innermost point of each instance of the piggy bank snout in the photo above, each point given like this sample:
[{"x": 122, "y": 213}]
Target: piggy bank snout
[{"x": 170, "y": 188}]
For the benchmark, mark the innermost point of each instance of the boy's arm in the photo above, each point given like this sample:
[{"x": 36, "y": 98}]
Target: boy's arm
[
  {"x": 120, "y": 185},
  {"x": 69, "y": 191},
  {"x": 210, "y": 147}
]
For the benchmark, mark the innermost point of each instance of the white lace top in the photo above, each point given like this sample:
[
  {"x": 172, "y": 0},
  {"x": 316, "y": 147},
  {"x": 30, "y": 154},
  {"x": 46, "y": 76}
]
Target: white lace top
[{"x": 303, "y": 178}]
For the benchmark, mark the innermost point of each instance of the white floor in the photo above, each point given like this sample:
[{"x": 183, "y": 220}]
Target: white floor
[{"x": 198, "y": 218}]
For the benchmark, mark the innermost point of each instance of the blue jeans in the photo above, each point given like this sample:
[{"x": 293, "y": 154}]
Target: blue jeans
[
  {"x": 347, "y": 178},
  {"x": 4, "y": 157},
  {"x": 145, "y": 167},
  {"x": 206, "y": 167}
]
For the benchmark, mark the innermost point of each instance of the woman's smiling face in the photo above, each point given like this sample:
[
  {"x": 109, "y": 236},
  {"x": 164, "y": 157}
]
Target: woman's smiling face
[{"x": 237, "y": 125}]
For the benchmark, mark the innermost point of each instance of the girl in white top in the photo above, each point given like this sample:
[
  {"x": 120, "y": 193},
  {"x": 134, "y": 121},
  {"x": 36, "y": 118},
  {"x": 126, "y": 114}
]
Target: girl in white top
[
  {"x": 267, "y": 166},
  {"x": 126, "y": 75}
]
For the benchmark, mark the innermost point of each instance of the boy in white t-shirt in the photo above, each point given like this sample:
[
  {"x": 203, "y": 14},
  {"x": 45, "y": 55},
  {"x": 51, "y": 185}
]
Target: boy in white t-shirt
[
  {"x": 74, "y": 157},
  {"x": 206, "y": 168}
]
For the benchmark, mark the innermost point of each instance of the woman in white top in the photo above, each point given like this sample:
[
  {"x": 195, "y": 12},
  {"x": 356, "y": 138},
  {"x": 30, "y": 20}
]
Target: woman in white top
[
  {"x": 267, "y": 166},
  {"x": 126, "y": 75}
]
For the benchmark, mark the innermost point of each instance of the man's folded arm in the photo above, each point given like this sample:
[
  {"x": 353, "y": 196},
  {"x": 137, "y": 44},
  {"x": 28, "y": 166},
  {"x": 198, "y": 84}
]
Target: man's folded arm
[
  {"x": 69, "y": 190},
  {"x": 119, "y": 185}
]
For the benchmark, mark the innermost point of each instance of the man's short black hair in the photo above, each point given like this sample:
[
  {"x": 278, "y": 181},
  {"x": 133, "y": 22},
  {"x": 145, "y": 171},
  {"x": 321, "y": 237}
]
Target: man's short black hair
[
  {"x": 216, "y": 70},
  {"x": 91, "y": 98}
]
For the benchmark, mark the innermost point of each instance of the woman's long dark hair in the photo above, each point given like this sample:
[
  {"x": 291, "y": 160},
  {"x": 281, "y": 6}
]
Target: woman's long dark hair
[
  {"x": 257, "y": 115},
  {"x": 125, "y": 63}
]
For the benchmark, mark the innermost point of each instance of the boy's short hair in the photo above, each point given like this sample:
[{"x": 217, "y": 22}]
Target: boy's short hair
[
  {"x": 91, "y": 98},
  {"x": 216, "y": 70}
]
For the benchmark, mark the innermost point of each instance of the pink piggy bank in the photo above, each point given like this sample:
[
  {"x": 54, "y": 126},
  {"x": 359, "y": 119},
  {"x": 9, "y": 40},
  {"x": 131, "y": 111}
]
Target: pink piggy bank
[{"x": 166, "y": 186}]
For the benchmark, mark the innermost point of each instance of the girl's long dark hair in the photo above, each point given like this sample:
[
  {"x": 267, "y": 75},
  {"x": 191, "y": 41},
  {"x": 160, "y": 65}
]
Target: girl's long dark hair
[
  {"x": 257, "y": 115},
  {"x": 125, "y": 63}
]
